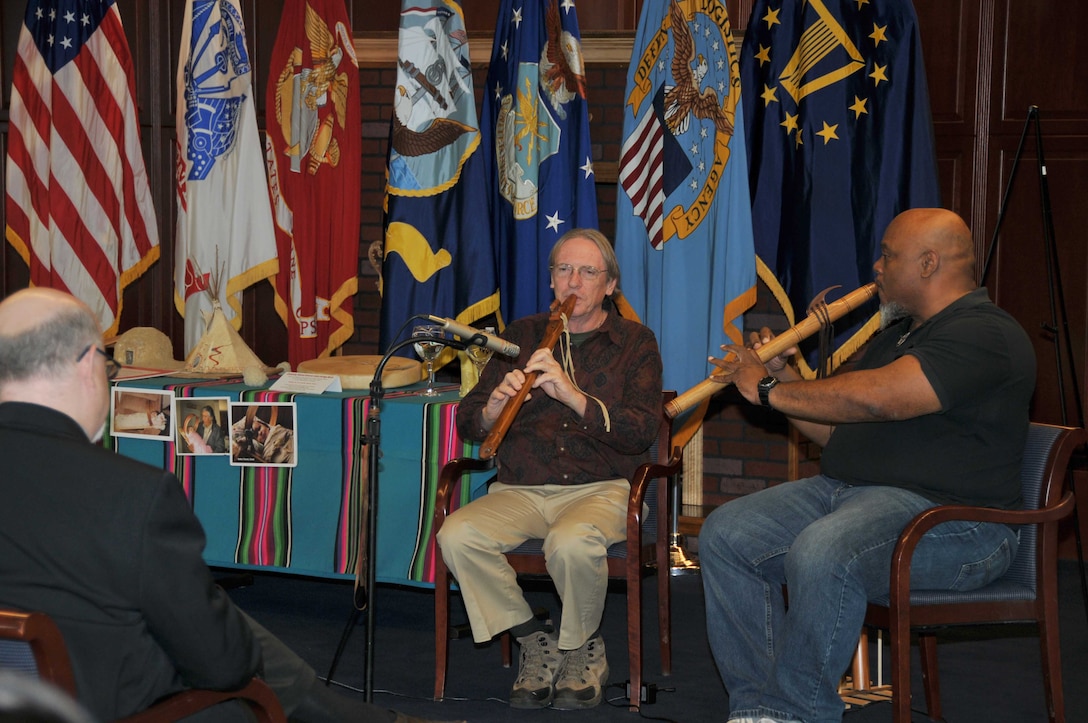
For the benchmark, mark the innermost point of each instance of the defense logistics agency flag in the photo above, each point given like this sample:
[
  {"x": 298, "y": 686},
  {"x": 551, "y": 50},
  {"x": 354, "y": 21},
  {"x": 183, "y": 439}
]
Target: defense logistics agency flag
[
  {"x": 314, "y": 155},
  {"x": 437, "y": 254},
  {"x": 839, "y": 141},
  {"x": 78, "y": 207},
  {"x": 225, "y": 240},
  {"x": 683, "y": 220},
  {"x": 536, "y": 135}
]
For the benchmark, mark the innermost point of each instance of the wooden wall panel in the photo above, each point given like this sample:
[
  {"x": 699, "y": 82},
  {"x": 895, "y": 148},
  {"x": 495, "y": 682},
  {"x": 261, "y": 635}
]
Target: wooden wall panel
[
  {"x": 950, "y": 46},
  {"x": 1044, "y": 50}
]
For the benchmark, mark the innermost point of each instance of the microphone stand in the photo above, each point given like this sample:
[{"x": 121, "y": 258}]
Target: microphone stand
[{"x": 369, "y": 522}]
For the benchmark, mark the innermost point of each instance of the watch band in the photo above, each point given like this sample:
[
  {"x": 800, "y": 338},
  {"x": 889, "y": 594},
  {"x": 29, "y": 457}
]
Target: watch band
[{"x": 766, "y": 384}]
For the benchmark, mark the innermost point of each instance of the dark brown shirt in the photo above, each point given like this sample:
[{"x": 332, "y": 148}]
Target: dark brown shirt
[{"x": 548, "y": 443}]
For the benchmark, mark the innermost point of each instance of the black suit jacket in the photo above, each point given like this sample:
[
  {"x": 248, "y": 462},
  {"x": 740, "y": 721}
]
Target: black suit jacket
[{"x": 111, "y": 550}]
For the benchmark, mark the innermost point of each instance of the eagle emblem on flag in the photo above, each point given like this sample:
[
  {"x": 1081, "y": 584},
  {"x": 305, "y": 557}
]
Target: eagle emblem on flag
[
  {"x": 302, "y": 93},
  {"x": 679, "y": 154}
]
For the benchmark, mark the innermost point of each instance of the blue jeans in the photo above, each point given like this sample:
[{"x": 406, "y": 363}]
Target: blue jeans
[{"x": 831, "y": 543}]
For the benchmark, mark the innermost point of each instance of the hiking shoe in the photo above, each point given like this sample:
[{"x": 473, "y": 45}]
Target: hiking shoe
[
  {"x": 581, "y": 677},
  {"x": 537, "y": 671}
]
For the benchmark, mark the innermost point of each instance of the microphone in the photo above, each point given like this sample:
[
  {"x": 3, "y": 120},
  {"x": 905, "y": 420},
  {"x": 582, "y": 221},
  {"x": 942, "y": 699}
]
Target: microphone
[{"x": 479, "y": 338}]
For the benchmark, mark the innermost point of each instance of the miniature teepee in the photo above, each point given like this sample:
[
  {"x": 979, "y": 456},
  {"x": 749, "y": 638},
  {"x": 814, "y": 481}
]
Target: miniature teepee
[{"x": 221, "y": 349}]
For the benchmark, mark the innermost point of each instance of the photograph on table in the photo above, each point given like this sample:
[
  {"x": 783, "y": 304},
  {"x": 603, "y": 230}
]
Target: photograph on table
[
  {"x": 202, "y": 425},
  {"x": 143, "y": 413},
  {"x": 263, "y": 435}
]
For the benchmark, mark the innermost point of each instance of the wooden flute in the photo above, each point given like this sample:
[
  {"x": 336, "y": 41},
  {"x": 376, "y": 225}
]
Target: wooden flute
[
  {"x": 506, "y": 417},
  {"x": 790, "y": 337}
]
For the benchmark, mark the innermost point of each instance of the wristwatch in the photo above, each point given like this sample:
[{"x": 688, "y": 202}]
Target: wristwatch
[{"x": 766, "y": 384}]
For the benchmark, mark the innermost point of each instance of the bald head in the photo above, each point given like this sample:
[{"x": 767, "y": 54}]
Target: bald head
[
  {"x": 44, "y": 339},
  {"x": 42, "y": 331},
  {"x": 927, "y": 262},
  {"x": 945, "y": 234}
]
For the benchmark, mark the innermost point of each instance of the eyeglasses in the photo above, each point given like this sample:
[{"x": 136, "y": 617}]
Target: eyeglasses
[
  {"x": 113, "y": 367},
  {"x": 589, "y": 273}
]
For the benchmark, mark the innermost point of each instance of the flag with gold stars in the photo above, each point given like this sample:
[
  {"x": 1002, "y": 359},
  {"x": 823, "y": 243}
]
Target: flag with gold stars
[
  {"x": 840, "y": 140},
  {"x": 536, "y": 141},
  {"x": 683, "y": 218}
]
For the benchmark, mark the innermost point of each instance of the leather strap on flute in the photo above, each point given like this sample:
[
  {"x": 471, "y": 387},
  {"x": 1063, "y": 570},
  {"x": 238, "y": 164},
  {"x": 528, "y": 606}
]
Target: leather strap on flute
[
  {"x": 506, "y": 417},
  {"x": 791, "y": 337}
]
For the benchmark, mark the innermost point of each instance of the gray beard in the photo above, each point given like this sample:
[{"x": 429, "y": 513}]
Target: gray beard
[{"x": 890, "y": 313}]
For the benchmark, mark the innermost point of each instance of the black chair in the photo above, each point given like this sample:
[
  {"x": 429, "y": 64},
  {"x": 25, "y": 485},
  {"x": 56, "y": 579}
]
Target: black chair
[
  {"x": 1027, "y": 592},
  {"x": 645, "y": 550}
]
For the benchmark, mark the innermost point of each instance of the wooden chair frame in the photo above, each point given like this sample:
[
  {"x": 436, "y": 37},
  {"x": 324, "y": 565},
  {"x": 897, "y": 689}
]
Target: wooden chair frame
[
  {"x": 629, "y": 560},
  {"x": 43, "y": 637},
  {"x": 1004, "y": 600}
]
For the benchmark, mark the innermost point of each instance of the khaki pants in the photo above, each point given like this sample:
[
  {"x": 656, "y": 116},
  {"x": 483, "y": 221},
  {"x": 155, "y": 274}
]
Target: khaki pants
[{"x": 577, "y": 524}]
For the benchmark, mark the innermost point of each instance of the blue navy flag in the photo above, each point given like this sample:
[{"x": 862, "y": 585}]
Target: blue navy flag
[
  {"x": 536, "y": 141},
  {"x": 683, "y": 214},
  {"x": 437, "y": 252},
  {"x": 839, "y": 141}
]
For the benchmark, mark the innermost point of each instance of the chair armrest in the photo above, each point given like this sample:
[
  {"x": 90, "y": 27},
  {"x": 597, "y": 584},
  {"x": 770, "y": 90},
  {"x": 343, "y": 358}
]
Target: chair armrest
[
  {"x": 641, "y": 479},
  {"x": 928, "y": 519},
  {"x": 654, "y": 470},
  {"x": 260, "y": 698},
  {"x": 450, "y": 477}
]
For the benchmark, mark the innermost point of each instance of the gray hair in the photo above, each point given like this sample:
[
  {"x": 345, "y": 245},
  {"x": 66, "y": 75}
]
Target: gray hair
[
  {"x": 48, "y": 349},
  {"x": 611, "y": 265}
]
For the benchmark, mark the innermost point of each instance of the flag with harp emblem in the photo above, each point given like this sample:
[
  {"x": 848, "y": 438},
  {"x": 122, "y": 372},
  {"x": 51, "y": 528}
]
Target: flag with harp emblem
[{"x": 839, "y": 142}]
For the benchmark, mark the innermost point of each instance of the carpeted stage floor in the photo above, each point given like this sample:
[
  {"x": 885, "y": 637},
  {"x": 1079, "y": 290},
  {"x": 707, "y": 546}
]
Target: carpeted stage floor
[{"x": 987, "y": 674}]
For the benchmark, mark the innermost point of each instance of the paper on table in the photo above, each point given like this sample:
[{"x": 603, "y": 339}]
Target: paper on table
[{"x": 307, "y": 383}]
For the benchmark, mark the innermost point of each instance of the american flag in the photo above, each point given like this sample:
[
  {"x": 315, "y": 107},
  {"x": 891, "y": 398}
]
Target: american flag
[
  {"x": 642, "y": 172},
  {"x": 78, "y": 205}
]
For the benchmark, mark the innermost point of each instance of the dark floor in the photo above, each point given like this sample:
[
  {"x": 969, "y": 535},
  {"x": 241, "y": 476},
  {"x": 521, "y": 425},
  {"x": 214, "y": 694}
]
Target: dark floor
[{"x": 988, "y": 674}]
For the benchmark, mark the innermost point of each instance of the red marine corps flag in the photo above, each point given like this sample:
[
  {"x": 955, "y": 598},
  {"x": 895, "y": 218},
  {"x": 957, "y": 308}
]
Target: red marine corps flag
[{"x": 313, "y": 150}]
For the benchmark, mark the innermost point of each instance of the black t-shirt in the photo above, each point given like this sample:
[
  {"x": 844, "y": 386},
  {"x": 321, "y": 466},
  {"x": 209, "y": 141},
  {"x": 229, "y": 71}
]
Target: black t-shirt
[{"x": 981, "y": 365}]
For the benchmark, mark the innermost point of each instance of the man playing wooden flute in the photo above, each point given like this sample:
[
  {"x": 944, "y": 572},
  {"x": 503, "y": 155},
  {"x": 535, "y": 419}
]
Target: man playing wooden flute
[
  {"x": 563, "y": 474},
  {"x": 935, "y": 412}
]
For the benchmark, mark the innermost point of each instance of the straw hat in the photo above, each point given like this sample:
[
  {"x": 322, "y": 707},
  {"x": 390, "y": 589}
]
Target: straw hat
[{"x": 147, "y": 347}]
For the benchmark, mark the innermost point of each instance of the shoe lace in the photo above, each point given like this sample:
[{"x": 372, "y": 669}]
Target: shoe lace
[
  {"x": 577, "y": 661},
  {"x": 534, "y": 658}
]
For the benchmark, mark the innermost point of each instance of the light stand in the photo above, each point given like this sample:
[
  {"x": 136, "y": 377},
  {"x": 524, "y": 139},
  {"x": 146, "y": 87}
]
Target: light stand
[
  {"x": 1057, "y": 301},
  {"x": 363, "y": 597}
]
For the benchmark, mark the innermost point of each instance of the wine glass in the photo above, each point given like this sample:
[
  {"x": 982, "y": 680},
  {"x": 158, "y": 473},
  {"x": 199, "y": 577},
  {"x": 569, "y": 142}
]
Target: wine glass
[
  {"x": 480, "y": 355},
  {"x": 429, "y": 351}
]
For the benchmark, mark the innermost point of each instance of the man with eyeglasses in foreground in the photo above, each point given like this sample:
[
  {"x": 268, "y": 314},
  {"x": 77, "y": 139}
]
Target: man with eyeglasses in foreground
[
  {"x": 109, "y": 547},
  {"x": 563, "y": 471}
]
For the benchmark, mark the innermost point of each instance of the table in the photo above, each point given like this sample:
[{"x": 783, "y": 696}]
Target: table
[{"x": 305, "y": 520}]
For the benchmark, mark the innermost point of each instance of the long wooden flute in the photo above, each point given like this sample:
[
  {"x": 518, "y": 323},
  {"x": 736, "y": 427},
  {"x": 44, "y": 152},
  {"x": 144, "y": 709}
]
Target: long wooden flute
[
  {"x": 506, "y": 417},
  {"x": 790, "y": 337}
]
